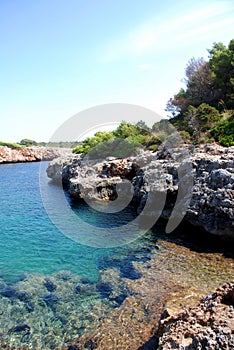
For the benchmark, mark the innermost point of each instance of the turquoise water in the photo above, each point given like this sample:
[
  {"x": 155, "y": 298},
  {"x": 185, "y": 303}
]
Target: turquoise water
[
  {"x": 31, "y": 243},
  {"x": 54, "y": 290}
]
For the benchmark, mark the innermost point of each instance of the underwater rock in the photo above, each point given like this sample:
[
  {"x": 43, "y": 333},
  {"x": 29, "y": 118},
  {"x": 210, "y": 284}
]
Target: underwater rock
[
  {"x": 8, "y": 292},
  {"x": 50, "y": 286},
  {"x": 51, "y": 299},
  {"x": 84, "y": 289},
  {"x": 29, "y": 307},
  {"x": 73, "y": 347},
  {"x": 104, "y": 289},
  {"x": 20, "y": 328},
  {"x": 23, "y": 296},
  {"x": 119, "y": 299},
  {"x": 85, "y": 280}
]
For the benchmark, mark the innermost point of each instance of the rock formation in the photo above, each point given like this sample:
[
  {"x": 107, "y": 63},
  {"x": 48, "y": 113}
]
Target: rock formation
[
  {"x": 29, "y": 154},
  {"x": 208, "y": 199},
  {"x": 209, "y": 325}
]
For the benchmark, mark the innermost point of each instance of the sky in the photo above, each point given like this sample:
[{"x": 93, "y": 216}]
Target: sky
[{"x": 61, "y": 57}]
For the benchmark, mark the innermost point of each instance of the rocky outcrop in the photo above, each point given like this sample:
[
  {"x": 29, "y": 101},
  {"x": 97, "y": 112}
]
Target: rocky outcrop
[
  {"x": 201, "y": 180},
  {"x": 212, "y": 204},
  {"x": 29, "y": 154},
  {"x": 209, "y": 325}
]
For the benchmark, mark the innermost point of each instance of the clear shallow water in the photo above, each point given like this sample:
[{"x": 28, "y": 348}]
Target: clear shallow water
[
  {"x": 50, "y": 286},
  {"x": 54, "y": 290},
  {"x": 30, "y": 242}
]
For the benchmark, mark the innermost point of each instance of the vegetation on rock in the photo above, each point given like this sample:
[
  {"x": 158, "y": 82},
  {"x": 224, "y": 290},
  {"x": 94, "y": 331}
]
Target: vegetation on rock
[
  {"x": 205, "y": 108},
  {"x": 203, "y": 112},
  {"x": 125, "y": 140},
  {"x": 10, "y": 144}
]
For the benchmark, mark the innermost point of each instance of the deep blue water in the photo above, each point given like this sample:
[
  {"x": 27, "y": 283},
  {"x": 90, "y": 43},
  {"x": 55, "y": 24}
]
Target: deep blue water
[{"x": 29, "y": 240}]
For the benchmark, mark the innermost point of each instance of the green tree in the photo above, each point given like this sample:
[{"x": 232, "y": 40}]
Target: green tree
[
  {"x": 126, "y": 129},
  {"x": 144, "y": 129},
  {"x": 28, "y": 142},
  {"x": 222, "y": 66}
]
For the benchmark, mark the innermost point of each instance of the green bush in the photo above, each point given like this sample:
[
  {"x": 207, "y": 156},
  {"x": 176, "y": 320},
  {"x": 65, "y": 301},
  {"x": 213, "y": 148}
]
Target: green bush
[
  {"x": 10, "y": 144},
  {"x": 206, "y": 139},
  {"x": 227, "y": 140},
  {"x": 207, "y": 113},
  {"x": 118, "y": 148},
  {"x": 111, "y": 143},
  {"x": 91, "y": 142},
  {"x": 223, "y": 132},
  {"x": 185, "y": 135},
  {"x": 153, "y": 147},
  {"x": 28, "y": 142},
  {"x": 126, "y": 129},
  {"x": 163, "y": 126}
]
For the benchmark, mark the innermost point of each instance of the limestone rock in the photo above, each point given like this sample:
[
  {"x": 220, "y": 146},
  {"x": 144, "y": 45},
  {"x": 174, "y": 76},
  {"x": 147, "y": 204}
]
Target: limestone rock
[
  {"x": 209, "y": 325},
  {"x": 28, "y": 154},
  {"x": 209, "y": 203}
]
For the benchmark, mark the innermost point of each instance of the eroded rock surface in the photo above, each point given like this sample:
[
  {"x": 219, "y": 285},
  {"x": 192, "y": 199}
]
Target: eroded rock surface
[
  {"x": 29, "y": 154},
  {"x": 209, "y": 201},
  {"x": 209, "y": 325}
]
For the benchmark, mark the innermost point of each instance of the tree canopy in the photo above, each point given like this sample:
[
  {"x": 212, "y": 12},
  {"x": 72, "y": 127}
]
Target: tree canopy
[{"x": 207, "y": 100}]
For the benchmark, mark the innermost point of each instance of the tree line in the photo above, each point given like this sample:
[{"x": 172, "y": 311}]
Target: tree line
[{"x": 204, "y": 110}]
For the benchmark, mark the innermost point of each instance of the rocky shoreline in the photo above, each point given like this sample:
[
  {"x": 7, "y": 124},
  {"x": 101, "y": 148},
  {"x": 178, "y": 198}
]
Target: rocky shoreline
[
  {"x": 209, "y": 325},
  {"x": 29, "y": 154},
  {"x": 186, "y": 322},
  {"x": 164, "y": 312},
  {"x": 208, "y": 199},
  {"x": 165, "y": 306}
]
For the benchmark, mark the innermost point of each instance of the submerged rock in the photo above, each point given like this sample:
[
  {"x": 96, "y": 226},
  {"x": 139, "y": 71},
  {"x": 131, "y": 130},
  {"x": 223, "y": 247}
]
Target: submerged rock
[
  {"x": 20, "y": 328},
  {"x": 23, "y": 296},
  {"x": 51, "y": 299},
  {"x": 50, "y": 286},
  {"x": 8, "y": 292}
]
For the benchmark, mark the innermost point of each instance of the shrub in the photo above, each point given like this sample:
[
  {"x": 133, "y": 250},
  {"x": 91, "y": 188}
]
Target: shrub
[
  {"x": 111, "y": 143},
  {"x": 10, "y": 144},
  {"x": 185, "y": 135},
  {"x": 223, "y": 132},
  {"x": 118, "y": 148},
  {"x": 91, "y": 142},
  {"x": 28, "y": 142},
  {"x": 207, "y": 113},
  {"x": 153, "y": 148}
]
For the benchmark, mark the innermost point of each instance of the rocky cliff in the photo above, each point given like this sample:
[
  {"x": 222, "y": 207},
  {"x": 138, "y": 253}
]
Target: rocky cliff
[
  {"x": 29, "y": 154},
  {"x": 200, "y": 181}
]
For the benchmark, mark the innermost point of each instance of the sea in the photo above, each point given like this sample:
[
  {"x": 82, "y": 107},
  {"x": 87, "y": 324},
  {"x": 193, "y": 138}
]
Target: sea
[{"x": 55, "y": 290}]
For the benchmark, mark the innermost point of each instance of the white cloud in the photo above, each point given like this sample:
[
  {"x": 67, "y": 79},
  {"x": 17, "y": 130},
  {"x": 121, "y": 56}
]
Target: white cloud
[{"x": 159, "y": 34}]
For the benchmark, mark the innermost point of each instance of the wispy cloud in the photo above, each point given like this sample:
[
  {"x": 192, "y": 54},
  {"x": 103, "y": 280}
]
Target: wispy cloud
[{"x": 157, "y": 34}]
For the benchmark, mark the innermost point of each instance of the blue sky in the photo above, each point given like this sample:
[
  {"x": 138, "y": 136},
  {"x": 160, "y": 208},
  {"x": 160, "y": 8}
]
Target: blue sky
[{"x": 58, "y": 58}]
